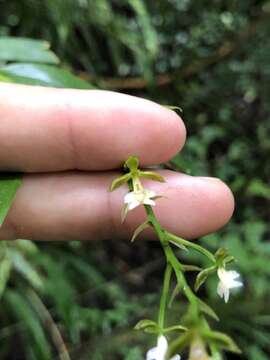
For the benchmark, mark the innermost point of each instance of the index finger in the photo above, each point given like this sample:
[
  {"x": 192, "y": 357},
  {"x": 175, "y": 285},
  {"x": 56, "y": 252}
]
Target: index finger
[{"x": 45, "y": 129}]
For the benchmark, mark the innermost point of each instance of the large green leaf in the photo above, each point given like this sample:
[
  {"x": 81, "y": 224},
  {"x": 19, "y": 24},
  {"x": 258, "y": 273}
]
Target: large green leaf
[
  {"x": 5, "y": 270},
  {"x": 25, "y": 268},
  {"x": 33, "y": 333},
  {"x": 41, "y": 74},
  {"x": 24, "y": 49},
  {"x": 9, "y": 184}
]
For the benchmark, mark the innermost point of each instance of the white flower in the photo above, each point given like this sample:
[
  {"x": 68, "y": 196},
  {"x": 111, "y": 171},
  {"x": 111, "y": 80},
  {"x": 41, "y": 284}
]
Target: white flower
[
  {"x": 136, "y": 198},
  {"x": 227, "y": 282},
  {"x": 159, "y": 352}
]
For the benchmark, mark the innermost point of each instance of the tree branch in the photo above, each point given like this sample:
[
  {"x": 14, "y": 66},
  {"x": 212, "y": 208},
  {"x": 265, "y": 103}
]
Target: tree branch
[{"x": 225, "y": 50}]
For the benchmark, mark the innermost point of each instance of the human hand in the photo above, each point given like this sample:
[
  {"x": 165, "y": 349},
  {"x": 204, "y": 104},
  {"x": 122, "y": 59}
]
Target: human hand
[{"x": 71, "y": 143}]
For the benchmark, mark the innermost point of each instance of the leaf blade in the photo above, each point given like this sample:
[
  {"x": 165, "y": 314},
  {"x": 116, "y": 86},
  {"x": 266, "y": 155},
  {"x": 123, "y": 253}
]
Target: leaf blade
[
  {"x": 139, "y": 229},
  {"x": 42, "y": 74},
  {"x": 9, "y": 184},
  {"x": 26, "y": 49}
]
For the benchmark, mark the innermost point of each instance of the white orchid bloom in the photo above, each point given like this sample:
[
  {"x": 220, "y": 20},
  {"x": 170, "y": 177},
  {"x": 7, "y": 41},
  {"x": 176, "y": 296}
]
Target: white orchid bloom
[
  {"x": 139, "y": 197},
  {"x": 226, "y": 282},
  {"x": 159, "y": 351}
]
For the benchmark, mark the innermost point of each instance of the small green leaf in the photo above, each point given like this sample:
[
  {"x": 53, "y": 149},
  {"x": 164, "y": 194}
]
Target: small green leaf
[
  {"x": 132, "y": 163},
  {"x": 9, "y": 184},
  {"x": 152, "y": 175},
  {"x": 25, "y": 49},
  {"x": 120, "y": 181},
  {"x": 192, "y": 245},
  {"x": 221, "y": 253},
  {"x": 144, "y": 323},
  {"x": 187, "y": 267},
  {"x": 180, "y": 343},
  {"x": 147, "y": 324},
  {"x": 207, "y": 310},
  {"x": 202, "y": 276},
  {"x": 229, "y": 259},
  {"x": 139, "y": 229},
  {"x": 124, "y": 212},
  {"x": 175, "y": 292},
  {"x": 152, "y": 330},
  {"x": 172, "y": 107},
  {"x": 174, "y": 328},
  {"x": 222, "y": 257},
  {"x": 178, "y": 244},
  {"x": 222, "y": 340}
]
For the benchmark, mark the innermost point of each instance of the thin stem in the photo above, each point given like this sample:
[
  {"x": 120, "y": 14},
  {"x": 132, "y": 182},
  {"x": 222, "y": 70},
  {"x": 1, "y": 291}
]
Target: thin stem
[
  {"x": 171, "y": 258},
  {"x": 52, "y": 327},
  {"x": 181, "y": 278},
  {"x": 152, "y": 218},
  {"x": 164, "y": 296}
]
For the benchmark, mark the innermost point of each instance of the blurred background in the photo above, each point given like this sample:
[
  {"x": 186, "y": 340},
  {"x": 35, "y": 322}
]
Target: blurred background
[{"x": 81, "y": 300}]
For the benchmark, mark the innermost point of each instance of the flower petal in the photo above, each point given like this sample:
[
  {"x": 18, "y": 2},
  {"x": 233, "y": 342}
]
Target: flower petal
[
  {"x": 220, "y": 289},
  {"x": 132, "y": 205},
  {"x": 223, "y": 291},
  {"x": 150, "y": 193},
  {"x": 149, "y": 202},
  {"x": 151, "y": 354},
  {"x": 236, "y": 284},
  {"x": 162, "y": 346},
  {"x": 226, "y": 295},
  {"x": 222, "y": 274},
  {"x": 176, "y": 357},
  {"x": 233, "y": 274},
  {"x": 129, "y": 197}
]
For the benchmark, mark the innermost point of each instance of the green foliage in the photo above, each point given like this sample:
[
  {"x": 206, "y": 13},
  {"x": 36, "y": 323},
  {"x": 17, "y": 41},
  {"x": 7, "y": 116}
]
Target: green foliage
[
  {"x": 9, "y": 184},
  {"x": 214, "y": 62},
  {"x": 23, "y": 49},
  {"x": 42, "y": 74}
]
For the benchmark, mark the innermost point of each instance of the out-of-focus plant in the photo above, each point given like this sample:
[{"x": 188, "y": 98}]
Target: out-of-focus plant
[{"x": 212, "y": 60}]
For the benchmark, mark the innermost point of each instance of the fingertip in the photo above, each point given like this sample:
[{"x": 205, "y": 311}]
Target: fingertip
[
  {"x": 177, "y": 133},
  {"x": 168, "y": 132},
  {"x": 220, "y": 198},
  {"x": 156, "y": 132}
]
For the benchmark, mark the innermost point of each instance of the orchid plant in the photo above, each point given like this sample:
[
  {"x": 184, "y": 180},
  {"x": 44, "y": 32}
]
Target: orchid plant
[{"x": 194, "y": 332}]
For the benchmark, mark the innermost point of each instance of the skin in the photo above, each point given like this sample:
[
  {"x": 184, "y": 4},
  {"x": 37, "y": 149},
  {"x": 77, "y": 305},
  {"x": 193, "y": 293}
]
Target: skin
[{"x": 71, "y": 144}]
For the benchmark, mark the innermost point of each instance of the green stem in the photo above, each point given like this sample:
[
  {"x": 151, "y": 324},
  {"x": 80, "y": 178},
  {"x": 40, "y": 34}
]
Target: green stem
[
  {"x": 156, "y": 225},
  {"x": 181, "y": 278},
  {"x": 164, "y": 296},
  {"x": 171, "y": 258}
]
